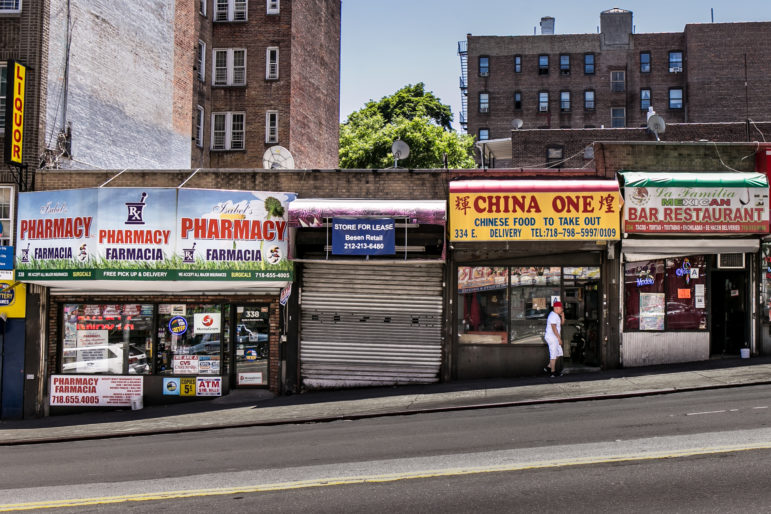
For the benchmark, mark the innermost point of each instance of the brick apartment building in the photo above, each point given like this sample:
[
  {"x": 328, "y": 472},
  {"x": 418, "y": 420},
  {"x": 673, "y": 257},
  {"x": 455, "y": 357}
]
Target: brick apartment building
[
  {"x": 267, "y": 73},
  {"x": 174, "y": 84},
  {"x": 709, "y": 73}
]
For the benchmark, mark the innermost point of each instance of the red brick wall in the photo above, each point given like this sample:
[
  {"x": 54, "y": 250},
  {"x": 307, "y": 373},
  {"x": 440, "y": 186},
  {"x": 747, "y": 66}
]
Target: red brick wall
[
  {"x": 25, "y": 37},
  {"x": 185, "y": 13},
  {"x": 716, "y": 72},
  {"x": 712, "y": 80},
  {"x": 315, "y": 95},
  {"x": 503, "y": 81},
  {"x": 306, "y": 95},
  {"x": 529, "y": 146}
]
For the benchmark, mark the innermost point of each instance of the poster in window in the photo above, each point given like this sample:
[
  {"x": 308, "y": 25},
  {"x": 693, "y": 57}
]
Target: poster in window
[
  {"x": 92, "y": 351},
  {"x": 651, "y": 311}
]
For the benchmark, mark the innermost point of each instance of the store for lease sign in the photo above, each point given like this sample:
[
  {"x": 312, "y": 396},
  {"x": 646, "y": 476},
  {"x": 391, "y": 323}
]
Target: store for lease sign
[{"x": 544, "y": 215}]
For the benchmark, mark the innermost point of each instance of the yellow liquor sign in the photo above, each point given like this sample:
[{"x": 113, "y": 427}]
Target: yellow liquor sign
[
  {"x": 14, "y": 130},
  {"x": 534, "y": 210}
]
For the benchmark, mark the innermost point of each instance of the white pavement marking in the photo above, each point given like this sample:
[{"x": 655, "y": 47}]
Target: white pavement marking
[{"x": 389, "y": 470}]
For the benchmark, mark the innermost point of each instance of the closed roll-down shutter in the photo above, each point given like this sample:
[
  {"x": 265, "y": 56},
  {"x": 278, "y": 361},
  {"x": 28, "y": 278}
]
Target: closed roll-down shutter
[{"x": 370, "y": 325}]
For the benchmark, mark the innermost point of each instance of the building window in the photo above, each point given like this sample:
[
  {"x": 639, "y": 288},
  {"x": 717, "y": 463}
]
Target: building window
[
  {"x": 202, "y": 7},
  {"x": 229, "y": 67},
  {"x": 484, "y": 66},
  {"x": 484, "y": 134},
  {"x": 517, "y": 64},
  {"x": 564, "y": 64},
  {"x": 675, "y": 62},
  {"x": 589, "y": 100},
  {"x": 3, "y": 87},
  {"x": 676, "y": 98},
  {"x": 484, "y": 102},
  {"x": 10, "y": 6},
  {"x": 6, "y": 211},
  {"x": 565, "y": 101},
  {"x": 273, "y": 7},
  {"x": 517, "y": 100},
  {"x": 543, "y": 64},
  {"x": 227, "y": 131},
  {"x": 588, "y": 64},
  {"x": 201, "y": 59},
  {"x": 230, "y": 10},
  {"x": 543, "y": 101},
  {"x": 618, "y": 117},
  {"x": 271, "y": 127},
  {"x": 660, "y": 294},
  {"x": 617, "y": 81},
  {"x": 645, "y": 99},
  {"x": 271, "y": 63},
  {"x": 199, "y": 127},
  {"x": 645, "y": 62},
  {"x": 509, "y": 305},
  {"x": 554, "y": 155},
  {"x": 107, "y": 339}
]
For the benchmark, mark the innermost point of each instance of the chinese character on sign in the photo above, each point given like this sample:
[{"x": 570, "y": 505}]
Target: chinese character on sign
[
  {"x": 606, "y": 202},
  {"x": 462, "y": 204}
]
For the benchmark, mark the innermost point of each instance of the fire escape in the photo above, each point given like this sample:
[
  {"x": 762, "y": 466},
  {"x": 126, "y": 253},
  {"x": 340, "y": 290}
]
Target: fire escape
[{"x": 463, "y": 53}]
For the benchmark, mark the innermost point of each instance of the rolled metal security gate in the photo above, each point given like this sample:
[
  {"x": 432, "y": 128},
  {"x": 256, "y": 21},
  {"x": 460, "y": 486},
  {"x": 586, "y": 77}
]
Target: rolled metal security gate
[{"x": 370, "y": 324}]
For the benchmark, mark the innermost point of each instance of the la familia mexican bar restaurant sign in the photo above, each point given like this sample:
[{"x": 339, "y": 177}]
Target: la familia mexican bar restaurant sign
[
  {"x": 164, "y": 234},
  {"x": 695, "y": 202},
  {"x": 534, "y": 210}
]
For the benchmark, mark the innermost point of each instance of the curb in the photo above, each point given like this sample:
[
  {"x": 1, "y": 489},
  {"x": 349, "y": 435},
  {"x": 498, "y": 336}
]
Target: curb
[{"x": 401, "y": 412}]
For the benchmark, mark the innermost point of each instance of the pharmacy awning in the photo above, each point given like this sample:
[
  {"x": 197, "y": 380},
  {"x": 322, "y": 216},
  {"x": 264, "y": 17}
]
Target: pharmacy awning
[
  {"x": 534, "y": 210},
  {"x": 695, "y": 203}
]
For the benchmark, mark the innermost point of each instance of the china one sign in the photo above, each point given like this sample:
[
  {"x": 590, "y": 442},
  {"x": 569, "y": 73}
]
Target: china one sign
[{"x": 152, "y": 234}]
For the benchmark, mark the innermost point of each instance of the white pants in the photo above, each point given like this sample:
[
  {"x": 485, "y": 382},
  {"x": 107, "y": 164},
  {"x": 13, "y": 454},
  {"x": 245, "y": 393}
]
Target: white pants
[{"x": 555, "y": 349}]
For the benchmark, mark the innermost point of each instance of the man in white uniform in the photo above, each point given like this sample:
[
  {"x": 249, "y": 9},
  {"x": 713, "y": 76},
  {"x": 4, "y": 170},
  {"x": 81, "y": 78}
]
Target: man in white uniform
[{"x": 553, "y": 336}]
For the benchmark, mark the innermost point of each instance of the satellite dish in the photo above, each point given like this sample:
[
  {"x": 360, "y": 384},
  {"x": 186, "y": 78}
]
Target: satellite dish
[
  {"x": 517, "y": 123},
  {"x": 401, "y": 150},
  {"x": 277, "y": 158},
  {"x": 656, "y": 125}
]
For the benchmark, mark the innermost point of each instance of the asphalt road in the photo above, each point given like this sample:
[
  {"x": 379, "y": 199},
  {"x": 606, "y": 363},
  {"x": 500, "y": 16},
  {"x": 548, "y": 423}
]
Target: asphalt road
[{"x": 699, "y": 451}]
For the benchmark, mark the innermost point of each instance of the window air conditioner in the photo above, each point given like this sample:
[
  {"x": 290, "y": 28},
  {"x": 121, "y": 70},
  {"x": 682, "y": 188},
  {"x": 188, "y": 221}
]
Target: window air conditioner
[
  {"x": 543, "y": 108},
  {"x": 675, "y": 69},
  {"x": 730, "y": 261}
]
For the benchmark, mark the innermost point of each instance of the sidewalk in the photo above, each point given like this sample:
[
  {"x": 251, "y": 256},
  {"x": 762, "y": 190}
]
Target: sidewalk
[{"x": 245, "y": 408}]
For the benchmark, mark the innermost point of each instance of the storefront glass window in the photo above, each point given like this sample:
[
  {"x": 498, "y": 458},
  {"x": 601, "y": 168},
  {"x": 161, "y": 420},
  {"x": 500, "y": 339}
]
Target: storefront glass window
[
  {"x": 644, "y": 295},
  {"x": 109, "y": 339},
  {"x": 533, "y": 290},
  {"x": 482, "y": 304},
  {"x": 666, "y": 294},
  {"x": 510, "y": 304},
  {"x": 686, "y": 287},
  {"x": 765, "y": 274},
  {"x": 189, "y": 339}
]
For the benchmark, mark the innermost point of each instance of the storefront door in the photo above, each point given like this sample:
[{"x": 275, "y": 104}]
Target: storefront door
[
  {"x": 251, "y": 345},
  {"x": 729, "y": 313},
  {"x": 581, "y": 328}
]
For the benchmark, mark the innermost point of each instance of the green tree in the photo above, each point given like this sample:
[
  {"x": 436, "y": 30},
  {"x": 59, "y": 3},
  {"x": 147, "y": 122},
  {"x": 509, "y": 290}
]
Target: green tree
[{"x": 416, "y": 117}]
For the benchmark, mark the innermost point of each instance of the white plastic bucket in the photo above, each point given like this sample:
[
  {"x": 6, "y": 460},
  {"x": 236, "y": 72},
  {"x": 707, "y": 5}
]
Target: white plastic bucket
[
  {"x": 137, "y": 403},
  {"x": 745, "y": 353}
]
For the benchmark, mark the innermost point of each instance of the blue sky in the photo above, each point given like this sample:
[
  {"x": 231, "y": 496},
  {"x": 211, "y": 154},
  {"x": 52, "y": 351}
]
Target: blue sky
[{"x": 387, "y": 44}]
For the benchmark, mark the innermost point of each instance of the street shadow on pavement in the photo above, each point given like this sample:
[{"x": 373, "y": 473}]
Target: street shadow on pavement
[{"x": 261, "y": 399}]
